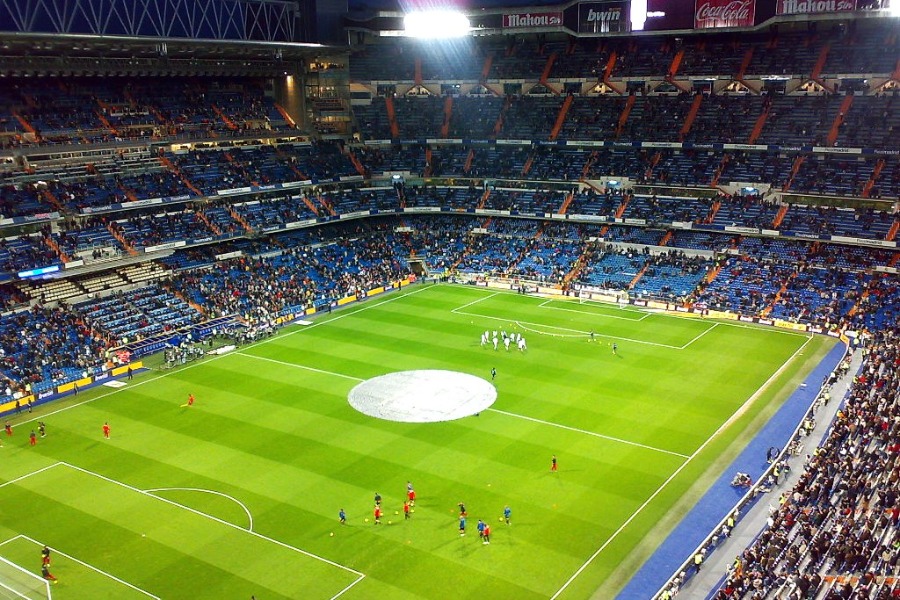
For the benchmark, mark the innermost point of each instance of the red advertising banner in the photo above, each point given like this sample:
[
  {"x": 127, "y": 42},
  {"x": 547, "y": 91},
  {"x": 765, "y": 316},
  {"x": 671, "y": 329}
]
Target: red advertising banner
[
  {"x": 724, "y": 13},
  {"x": 813, "y": 7},
  {"x": 532, "y": 19}
]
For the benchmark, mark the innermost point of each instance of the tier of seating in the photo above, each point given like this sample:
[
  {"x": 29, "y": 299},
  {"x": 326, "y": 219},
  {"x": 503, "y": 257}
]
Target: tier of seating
[
  {"x": 860, "y": 47},
  {"x": 100, "y": 110}
]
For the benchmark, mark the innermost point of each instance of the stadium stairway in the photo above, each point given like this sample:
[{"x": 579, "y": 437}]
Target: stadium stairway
[
  {"x": 760, "y": 123},
  {"x": 284, "y": 114},
  {"x": 795, "y": 167},
  {"x": 225, "y": 119},
  {"x": 623, "y": 116},
  {"x": 392, "y": 116},
  {"x": 846, "y": 105},
  {"x": 28, "y": 127},
  {"x": 719, "y": 170},
  {"x": 326, "y": 205},
  {"x": 876, "y": 173},
  {"x": 893, "y": 232},
  {"x": 816, "y": 73},
  {"x": 561, "y": 117},
  {"x": 470, "y": 157},
  {"x": 484, "y": 198},
  {"x": 528, "y": 162},
  {"x": 448, "y": 112},
  {"x": 168, "y": 164},
  {"x": 51, "y": 243},
  {"x": 565, "y": 205},
  {"x": 545, "y": 74},
  {"x": 779, "y": 217},
  {"x": 689, "y": 119},
  {"x": 637, "y": 277},
  {"x": 129, "y": 247},
  {"x": 50, "y": 197},
  {"x": 237, "y": 217}
]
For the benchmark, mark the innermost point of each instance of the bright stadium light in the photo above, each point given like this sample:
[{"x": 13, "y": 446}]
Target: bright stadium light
[{"x": 436, "y": 24}]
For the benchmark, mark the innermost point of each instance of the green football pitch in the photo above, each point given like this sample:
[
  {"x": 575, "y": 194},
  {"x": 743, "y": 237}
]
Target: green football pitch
[{"x": 239, "y": 494}]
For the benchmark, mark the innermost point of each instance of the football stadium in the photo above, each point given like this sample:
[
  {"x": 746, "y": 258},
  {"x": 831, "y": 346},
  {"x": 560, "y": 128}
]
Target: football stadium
[{"x": 503, "y": 299}]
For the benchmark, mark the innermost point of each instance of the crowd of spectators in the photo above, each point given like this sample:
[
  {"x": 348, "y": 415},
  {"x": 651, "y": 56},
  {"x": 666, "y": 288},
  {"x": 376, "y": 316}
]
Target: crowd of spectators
[{"x": 833, "y": 535}]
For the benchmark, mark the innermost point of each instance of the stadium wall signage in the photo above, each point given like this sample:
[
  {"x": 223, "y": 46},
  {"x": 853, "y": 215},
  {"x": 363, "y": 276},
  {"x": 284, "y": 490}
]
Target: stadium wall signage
[
  {"x": 532, "y": 19},
  {"x": 602, "y": 17},
  {"x": 813, "y": 7},
  {"x": 710, "y": 14}
]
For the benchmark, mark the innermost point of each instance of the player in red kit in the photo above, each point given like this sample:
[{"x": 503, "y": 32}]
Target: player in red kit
[
  {"x": 411, "y": 496},
  {"x": 190, "y": 401},
  {"x": 32, "y": 438},
  {"x": 553, "y": 463},
  {"x": 486, "y": 534},
  {"x": 8, "y": 428},
  {"x": 406, "y": 510},
  {"x": 106, "y": 430},
  {"x": 377, "y": 515}
]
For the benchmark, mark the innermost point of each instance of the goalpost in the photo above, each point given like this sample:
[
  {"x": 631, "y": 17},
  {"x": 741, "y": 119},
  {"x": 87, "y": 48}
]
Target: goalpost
[
  {"x": 619, "y": 297},
  {"x": 17, "y": 583}
]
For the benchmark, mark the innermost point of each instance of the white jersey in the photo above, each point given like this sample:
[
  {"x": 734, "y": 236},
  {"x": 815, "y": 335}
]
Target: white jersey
[
  {"x": 506, "y": 343},
  {"x": 522, "y": 346},
  {"x": 495, "y": 343}
]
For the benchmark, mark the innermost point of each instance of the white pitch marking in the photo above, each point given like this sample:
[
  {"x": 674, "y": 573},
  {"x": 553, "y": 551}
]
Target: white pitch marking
[
  {"x": 299, "y": 366},
  {"x": 27, "y": 475},
  {"x": 743, "y": 408},
  {"x": 205, "y": 491},
  {"x": 93, "y": 568},
  {"x": 700, "y": 335},
  {"x": 578, "y": 331},
  {"x": 671, "y": 315},
  {"x": 467, "y": 305},
  {"x": 546, "y": 304},
  {"x": 212, "y": 518},
  {"x": 585, "y": 432}
]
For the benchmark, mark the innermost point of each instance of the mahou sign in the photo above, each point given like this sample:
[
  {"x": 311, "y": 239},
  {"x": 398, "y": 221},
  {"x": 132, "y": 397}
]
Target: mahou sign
[
  {"x": 813, "y": 7},
  {"x": 535, "y": 19},
  {"x": 724, "y": 13}
]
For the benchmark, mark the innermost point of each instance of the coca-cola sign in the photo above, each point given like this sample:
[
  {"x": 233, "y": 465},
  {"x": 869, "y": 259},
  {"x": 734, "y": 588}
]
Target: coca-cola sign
[
  {"x": 602, "y": 17},
  {"x": 813, "y": 7},
  {"x": 724, "y": 13},
  {"x": 532, "y": 19}
]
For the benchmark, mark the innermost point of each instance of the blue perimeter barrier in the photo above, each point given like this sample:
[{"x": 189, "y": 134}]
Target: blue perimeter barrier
[{"x": 721, "y": 498}]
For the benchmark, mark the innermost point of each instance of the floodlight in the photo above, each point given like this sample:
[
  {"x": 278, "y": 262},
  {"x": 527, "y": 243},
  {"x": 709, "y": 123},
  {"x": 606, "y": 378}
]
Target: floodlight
[{"x": 436, "y": 24}]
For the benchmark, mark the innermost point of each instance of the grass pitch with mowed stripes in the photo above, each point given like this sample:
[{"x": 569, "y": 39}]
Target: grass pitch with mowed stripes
[{"x": 239, "y": 494}]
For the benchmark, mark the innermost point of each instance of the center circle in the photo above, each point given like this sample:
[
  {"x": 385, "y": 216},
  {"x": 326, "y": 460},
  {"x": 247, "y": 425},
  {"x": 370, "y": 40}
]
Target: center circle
[{"x": 424, "y": 396}]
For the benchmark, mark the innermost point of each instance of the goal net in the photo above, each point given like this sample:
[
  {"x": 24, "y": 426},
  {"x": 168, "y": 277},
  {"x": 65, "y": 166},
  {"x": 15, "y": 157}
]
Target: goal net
[
  {"x": 17, "y": 583},
  {"x": 619, "y": 297}
]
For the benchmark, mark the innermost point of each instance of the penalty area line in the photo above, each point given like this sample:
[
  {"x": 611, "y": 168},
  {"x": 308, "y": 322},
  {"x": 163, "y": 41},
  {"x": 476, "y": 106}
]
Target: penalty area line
[
  {"x": 740, "y": 411},
  {"x": 205, "y": 491},
  {"x": 94, "y": 569},
  {"x": 299, "y": 366},
  {"x": 215, "y": 519}
]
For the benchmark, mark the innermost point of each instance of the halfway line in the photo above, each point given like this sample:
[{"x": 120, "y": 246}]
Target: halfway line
[{"x": 591, "y": 433}]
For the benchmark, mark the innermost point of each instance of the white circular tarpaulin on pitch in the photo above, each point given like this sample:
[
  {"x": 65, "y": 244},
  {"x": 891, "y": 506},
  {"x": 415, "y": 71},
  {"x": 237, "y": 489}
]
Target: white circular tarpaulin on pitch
[{"x": 426, "y": 396}]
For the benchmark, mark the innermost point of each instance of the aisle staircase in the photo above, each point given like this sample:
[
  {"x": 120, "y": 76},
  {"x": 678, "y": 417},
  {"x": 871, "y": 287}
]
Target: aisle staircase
[{"x": 561, "y": 117}]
